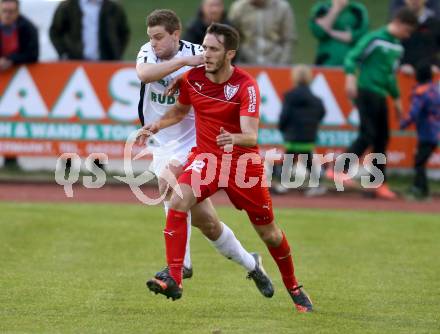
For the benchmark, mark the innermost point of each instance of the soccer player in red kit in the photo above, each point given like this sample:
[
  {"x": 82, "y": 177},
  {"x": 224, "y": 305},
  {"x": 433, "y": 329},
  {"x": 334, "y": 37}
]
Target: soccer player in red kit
[{"x": 226, "y": 106}]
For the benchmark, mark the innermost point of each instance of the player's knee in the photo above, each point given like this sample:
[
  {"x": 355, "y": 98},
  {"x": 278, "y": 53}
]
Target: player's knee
[
  {"x": 179, "y": 204},
  {"x": 271, "y": 235},
  {"x": 164, "y": 189}
]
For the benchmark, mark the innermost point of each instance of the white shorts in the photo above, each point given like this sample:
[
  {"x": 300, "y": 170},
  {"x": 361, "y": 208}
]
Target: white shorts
[{"x": 164, "y": 154}]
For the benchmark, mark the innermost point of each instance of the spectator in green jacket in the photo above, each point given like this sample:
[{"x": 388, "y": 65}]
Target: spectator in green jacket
[
  {"x": 337, "y": 25},
  {"x": 90, "y": 30},
  {"x": 374, "y": 59}
]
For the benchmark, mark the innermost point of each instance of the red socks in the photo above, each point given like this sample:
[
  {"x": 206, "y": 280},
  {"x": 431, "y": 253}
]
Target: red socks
[
  {"x": 283, "y": 259},
  {"x": 175, "y": 233}
]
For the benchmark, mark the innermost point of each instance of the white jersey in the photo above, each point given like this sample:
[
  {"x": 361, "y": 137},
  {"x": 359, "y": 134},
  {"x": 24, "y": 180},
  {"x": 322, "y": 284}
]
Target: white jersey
[{"x": 154, "y": 104}]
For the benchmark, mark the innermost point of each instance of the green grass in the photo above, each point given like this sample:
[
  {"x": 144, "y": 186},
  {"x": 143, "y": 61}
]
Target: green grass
[
  {"x": 70, "y": 268},
  {"x": 305, "y": 50}
]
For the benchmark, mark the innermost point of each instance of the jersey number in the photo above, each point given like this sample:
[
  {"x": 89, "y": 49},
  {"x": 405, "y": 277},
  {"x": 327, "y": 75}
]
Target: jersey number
[{"x": 196, "y": 165}]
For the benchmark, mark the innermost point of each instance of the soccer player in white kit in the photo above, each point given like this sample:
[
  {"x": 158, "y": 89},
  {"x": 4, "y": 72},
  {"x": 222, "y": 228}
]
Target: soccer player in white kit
[{"x": 159, "y": 62}]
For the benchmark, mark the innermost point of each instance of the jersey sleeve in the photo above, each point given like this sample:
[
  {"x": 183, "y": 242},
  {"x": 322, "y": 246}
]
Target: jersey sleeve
[
  {"x": 146, "y": 55},
  {"x": 250, "y": 100},
  {"x": 198, "y": 49},
  {"x": 184, "y": 97},
  {"x": 357, "y": 52},
  {"x": 361, "y": 26},
  {"x": 318, "y": 10}
]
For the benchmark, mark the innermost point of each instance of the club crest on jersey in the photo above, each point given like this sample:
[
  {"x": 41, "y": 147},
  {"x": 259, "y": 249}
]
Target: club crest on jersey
[{"x": 230, "y": 91}]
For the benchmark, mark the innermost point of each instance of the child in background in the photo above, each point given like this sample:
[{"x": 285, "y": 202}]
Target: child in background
[
  {"x": 299, "y": 121},
  {"x": 425, "y": 113}
]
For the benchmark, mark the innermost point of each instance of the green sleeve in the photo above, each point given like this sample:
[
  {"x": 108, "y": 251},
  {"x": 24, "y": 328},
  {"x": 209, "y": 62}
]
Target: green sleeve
[
  {"x": 393, "y": 88},
  {"x": 316, "y": 29},
  {"x": 362, "y": 28},
  {"x": 356, "y": 52}
]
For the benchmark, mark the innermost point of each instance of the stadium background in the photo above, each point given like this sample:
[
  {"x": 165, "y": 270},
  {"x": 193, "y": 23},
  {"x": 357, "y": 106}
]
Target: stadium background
[{"x": 304, "y": 51}]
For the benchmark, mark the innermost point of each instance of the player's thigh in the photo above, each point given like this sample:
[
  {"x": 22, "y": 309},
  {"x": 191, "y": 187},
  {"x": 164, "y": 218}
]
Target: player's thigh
[
  {"x": 203, "y": 213},
  {"x": 369, "y": 105},
  {"x": 256, "y": 201}
]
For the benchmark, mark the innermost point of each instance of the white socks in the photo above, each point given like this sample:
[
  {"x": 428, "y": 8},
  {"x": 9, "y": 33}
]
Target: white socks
[
  {"x": 228, "y": 245},
  {"x": 187, "y": 260}
]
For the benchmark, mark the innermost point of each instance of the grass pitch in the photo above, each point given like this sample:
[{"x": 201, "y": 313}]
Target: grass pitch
[{"x": 69, "y": 268}]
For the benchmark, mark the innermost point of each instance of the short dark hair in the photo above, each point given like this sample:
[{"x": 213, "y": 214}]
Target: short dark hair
[
  {"x": 407, "y": 16},
  {"x": 166, "y": 18},
  {"x": 16, "y": 2},
  {"x": 230, "y": 34},
  {"x": 423, "y": 71}
]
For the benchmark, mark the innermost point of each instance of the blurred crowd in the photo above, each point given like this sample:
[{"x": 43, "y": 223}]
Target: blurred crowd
[
  {"x": 95, "y": 30},
  {"x": 99, "y": 30}
]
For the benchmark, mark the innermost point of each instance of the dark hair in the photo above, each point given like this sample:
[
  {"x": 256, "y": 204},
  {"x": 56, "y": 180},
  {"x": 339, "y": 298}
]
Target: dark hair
[
  {"x": 16, "y": 2},
  {"x": 406, "y": 16},
  {"x": 230, "y": 34},
  {"x": 166, "y": 18},
  {"x": 423, "y": 71}
]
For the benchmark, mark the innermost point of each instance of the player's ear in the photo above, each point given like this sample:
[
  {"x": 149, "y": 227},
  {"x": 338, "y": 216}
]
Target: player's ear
[
  {"x": 231, "y": 54},
  {"x": 176, "y": 34}
]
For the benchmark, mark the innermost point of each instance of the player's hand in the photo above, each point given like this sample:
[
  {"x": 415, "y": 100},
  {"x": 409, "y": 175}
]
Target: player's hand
[
  {"x": 398, "y": 108},
  {"x": 407, "y": 69},
  {"x": 351, "y": 86},
  {"x": 225, "y": 138},
  {"x": 340, "y": 4},
  {"x": 193, "y": 60},
  {"x": 5, "y": 63},
  {"x": 146, "y": 132},
  {"x": 173, "y": 87}
]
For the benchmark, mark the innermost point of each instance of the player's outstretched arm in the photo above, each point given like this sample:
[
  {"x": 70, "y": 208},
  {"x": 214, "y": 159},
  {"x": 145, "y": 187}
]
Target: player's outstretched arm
[
  {"x": 148, "y": 72},
  {"x": 173, "y": 116}
]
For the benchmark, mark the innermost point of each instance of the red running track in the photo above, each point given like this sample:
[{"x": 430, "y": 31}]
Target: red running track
[{"x": 53, "y": 193}]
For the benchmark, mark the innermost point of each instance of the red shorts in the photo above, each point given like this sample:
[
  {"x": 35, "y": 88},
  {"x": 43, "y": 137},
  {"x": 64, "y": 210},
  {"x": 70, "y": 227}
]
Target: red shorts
[{"x": 243, "y": 183}]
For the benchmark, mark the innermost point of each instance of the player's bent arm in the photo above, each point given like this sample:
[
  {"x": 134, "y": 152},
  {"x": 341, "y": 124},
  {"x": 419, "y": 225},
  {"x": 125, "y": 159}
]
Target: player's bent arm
[
  {"x": 148, "y": 72},
  {"x": 249, "y": 132}
]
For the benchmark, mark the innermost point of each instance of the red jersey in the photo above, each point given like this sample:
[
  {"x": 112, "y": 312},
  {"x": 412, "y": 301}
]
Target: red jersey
[
  {"x": 220, "y": 105},
  {"x": 9, "y": 42}
]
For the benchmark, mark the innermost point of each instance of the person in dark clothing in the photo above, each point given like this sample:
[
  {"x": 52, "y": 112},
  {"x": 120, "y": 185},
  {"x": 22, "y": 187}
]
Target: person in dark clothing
[
  {"x": 18, "y": 37},
  {"x": 395, "y": 5},
  {"x": 90, "y": 30},
  {"x": 210, "y": 11},
  {"x": 424, "y": 42},
  {"x": 375, "y": 58},
  {"x": 425, "y": 113},
  {"x": 18, "y": 44},
  {"x": 300, "y": 117}
]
